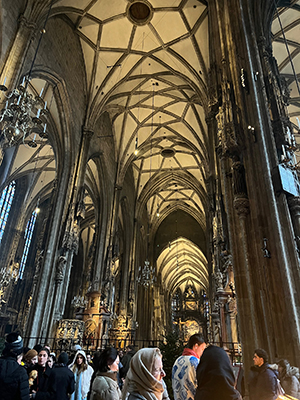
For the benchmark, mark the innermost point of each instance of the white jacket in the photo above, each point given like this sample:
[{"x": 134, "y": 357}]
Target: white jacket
[{"x": 86, "y": 375}]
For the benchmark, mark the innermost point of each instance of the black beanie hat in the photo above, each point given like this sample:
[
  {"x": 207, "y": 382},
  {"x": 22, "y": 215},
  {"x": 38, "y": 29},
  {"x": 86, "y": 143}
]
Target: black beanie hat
[
  {"x": 38, "y": 348},
  {"x": 14, "y": 344},
  {"x": 63, "y": 358}
]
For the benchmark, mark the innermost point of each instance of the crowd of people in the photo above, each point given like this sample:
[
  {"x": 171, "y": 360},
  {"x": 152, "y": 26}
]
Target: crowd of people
[{"x": 202, "y": 372}]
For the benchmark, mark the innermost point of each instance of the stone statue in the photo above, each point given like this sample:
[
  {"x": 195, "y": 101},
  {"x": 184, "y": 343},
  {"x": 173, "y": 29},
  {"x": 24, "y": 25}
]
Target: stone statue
[
  {"x": 38, "y": 266},
  {"x": 60, "y": 268},
  {"x": 218, "y": 279}
]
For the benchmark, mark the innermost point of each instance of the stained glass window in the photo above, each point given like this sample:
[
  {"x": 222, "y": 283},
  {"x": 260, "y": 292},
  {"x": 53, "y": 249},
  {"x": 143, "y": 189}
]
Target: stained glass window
[
  {"x": 28, "y": 236},
  {"x": 5, "y": 205}
]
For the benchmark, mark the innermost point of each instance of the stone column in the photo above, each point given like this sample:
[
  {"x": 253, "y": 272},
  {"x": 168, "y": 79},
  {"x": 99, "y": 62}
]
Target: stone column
[
  {"x": 18, "y": 51},
  {"x": 113, "y": 223},
  {"x": 243, "y": 279},
  {"x": 72, "y": 233},
  {"x": 42, "y": 310}
]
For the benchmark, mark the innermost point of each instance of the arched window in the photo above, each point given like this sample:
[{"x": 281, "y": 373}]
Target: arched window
[
  {"x": 28, "y": 236},
  {"x": 5, "y": 205}
]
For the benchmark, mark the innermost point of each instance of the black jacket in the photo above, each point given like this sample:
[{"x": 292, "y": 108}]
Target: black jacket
[
  {"x": 41, "y": 384},
  {"x": 126, "y": 362},
  {"x": 13, "y": 380},
  {"x": 61, "y": 382},
  {"x": 262, "y": 383},
  {"x": 215, "y": 376}
]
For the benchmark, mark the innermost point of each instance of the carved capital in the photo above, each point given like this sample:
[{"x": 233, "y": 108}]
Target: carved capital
[
  {"x": 241, "y": 204},
  {"x": 25, "y": 22},
  {"x": 87, "y": 132}
]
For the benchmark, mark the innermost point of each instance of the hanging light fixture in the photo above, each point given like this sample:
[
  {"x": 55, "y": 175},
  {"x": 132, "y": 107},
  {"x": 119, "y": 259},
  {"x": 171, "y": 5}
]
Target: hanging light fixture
[{"x": 23, "y": 112}]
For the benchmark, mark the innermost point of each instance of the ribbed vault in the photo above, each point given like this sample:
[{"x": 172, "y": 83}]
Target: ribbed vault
[{"x": 181, "y": 262}]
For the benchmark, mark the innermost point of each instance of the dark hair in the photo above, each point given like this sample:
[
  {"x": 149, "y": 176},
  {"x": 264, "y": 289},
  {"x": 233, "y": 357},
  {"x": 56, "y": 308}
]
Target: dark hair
[
  {"x": 106, "y": 358},
  {"x": 285, "y": 365},
  {"x": 96, "y": 360},
  {"x": 38, "y": 347},
  {"x": 195, "y": 339},
  {"x": 130, "y": 346},
  {"x": 46, "y": 350},
  {"x": 262, "y": 354}
]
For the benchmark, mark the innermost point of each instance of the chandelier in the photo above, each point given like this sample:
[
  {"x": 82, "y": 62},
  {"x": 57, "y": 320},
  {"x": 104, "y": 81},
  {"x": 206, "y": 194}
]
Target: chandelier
[
  {"x": 22, "y": 114},
  {"x": 146, "y": 276}
]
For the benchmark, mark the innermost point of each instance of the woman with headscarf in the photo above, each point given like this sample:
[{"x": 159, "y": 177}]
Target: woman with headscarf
[
  {"x": 215, "y": 376},
  {"x": 288, "y": 377},
  {"x": 83, "y": 373},
  {"x": 144, "y": 379},
  {"x": 105, "y": 385}
]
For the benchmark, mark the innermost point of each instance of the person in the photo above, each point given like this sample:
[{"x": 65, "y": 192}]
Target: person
[
  {"x": 14, "y": 383},
  {"x": 40, "y": 387},
  {"x": 51, "y": 360},
  {"x": 129, "y": 353},
  {"x": 215, "y": 378},
  {"x": 61, "y": 380},
  {"x": 83, "y": 373},
  {"x": 105, "y": 385},
  {"x": 184, "y": 381},
  {"x": 262, "y": 379},
  {"x": 144, "y": 380},
  {"x": 89, "y": 359},
  {"x": 30, "y": 358},
  {"x": 288, "y": 377}
]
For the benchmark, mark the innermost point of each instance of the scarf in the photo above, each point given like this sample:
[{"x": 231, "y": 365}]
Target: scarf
[
  {"x": 190, "y": 352},
  {"x": 139, "y": 378}
]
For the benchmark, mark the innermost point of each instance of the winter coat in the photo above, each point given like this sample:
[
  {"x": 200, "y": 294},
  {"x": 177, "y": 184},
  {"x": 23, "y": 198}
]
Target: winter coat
[
  {"x": 85, "y": 375},
  {"x": 41, "y": 384},
  {"x": 215, "y": 376},
  {"x": 105, "y": 387},
  {"x": 61, "y": 382},
  {"x": 13, "y": 380},
  {"x": 262, "y": 383},
  {"x": 291, "y": 385}
]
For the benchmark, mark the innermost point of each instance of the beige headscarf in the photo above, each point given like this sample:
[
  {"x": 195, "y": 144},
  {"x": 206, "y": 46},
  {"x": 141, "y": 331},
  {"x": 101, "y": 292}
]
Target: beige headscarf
[{"x": 139, "y": 378}]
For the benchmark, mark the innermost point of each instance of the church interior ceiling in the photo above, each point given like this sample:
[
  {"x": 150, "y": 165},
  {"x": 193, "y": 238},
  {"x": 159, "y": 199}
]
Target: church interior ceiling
[{"x": 147, "y": 66}]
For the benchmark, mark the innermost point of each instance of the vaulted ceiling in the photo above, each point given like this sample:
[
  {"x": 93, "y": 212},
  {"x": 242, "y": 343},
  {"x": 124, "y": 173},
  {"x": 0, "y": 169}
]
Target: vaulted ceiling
[
  {"x": 147, "y": 65},
  {"x": 286, "y": 49}
]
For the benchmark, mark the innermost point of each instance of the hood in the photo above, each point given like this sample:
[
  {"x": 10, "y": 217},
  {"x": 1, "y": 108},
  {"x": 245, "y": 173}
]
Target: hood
[{"x": 83, "y": 355}]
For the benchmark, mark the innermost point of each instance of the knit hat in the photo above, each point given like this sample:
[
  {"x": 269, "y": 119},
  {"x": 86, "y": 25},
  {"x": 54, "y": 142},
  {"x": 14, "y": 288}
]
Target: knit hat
[
  {"x": 30, "y": 355},
  {"x": 38, "y": 347},
  {"x": 63, "y": 358},
  {"x": 14, "y": 344},
  {"x": 77, "y": 347}
]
